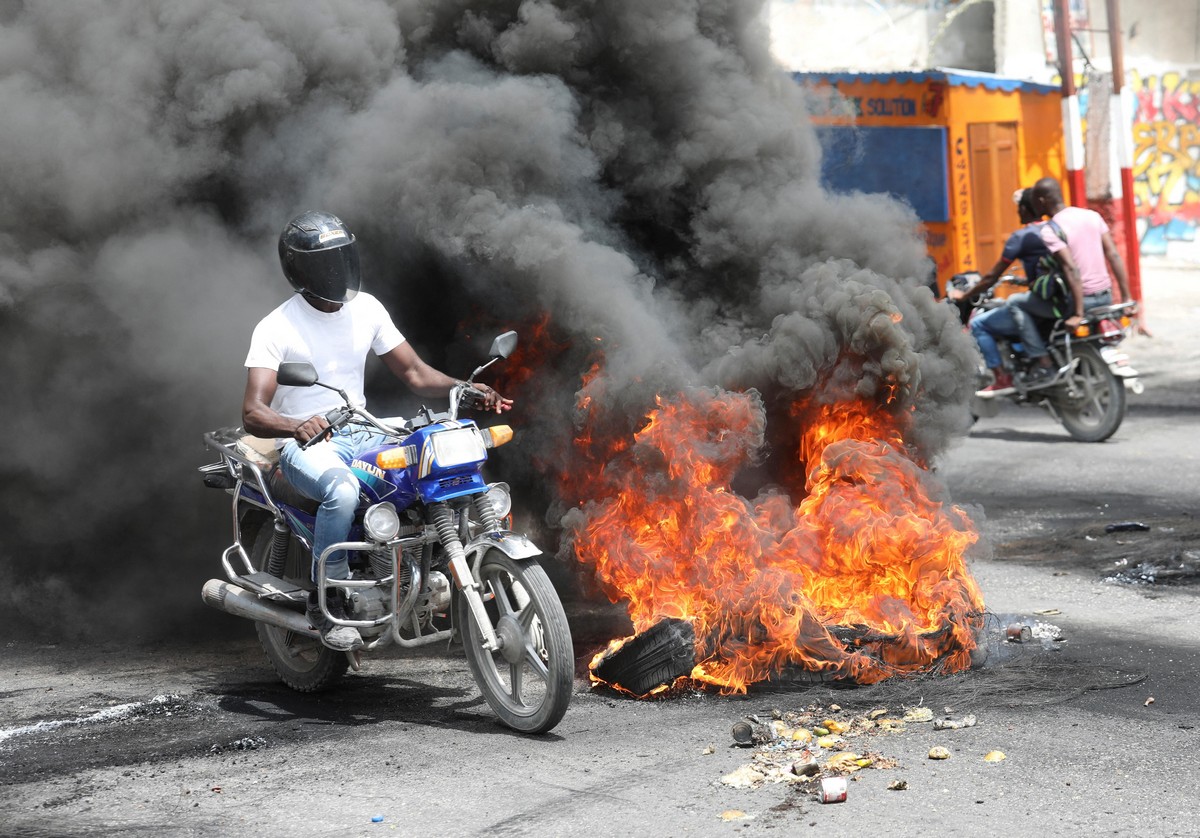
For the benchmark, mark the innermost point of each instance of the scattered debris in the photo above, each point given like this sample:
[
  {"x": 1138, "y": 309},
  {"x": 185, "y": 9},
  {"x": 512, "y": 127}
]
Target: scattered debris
[
  {"x": 1149, "y": 701},
  {"x": 938, "y": 752},
  {"x": 747, "y": 733},
  {"x": 806, "y": 766},
  {"x": 1127, "y": 526},
  {"x": 994, "y": 756},
  {"x": 710, "y": 749},
  {"x": 1178, "y": 569},
  {"x": 1048, "y": 612},
  {"x": 1047, "y": 631},
  {"x": 376, "y": 818},
  {"x": 735, "y": 815},
  {"x": 833, "y": 790},
  {"x": 1019, "y": 633},
  {"x": 785, "y": 750},
  {"x": 248, "y": 743},
  {"x": 744, "y": 777},
  {"x": 919, "y": 714},
  {"x": 897, "y": 785},
  {"x": 954, "y": 724}
]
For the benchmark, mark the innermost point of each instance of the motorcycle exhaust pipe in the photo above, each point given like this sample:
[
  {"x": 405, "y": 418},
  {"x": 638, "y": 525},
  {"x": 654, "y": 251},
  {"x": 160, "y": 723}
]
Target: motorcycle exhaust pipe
[{"x": 227, "y": 597}]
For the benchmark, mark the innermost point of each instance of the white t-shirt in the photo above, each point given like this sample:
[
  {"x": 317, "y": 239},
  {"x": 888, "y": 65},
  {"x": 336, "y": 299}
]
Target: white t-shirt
[{"x": 335, "y": 343}]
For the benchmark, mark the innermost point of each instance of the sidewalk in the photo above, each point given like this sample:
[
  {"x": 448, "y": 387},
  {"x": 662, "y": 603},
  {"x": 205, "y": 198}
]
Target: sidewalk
[{"x": 1171, "y": 305}]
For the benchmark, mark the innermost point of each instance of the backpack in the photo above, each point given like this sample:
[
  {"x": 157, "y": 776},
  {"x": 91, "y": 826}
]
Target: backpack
[{"x": 1050, "y": 290}]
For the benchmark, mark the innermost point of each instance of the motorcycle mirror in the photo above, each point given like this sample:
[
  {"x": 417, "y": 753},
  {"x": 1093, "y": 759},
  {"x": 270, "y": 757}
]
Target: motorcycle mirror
[
  {"x": 296, "y": 374},
  {"x": 503, "y": 345}
]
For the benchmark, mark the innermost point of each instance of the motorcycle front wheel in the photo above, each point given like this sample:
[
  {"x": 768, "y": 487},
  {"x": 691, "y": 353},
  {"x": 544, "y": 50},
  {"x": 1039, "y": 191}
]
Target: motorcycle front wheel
[
  {"x": 303, "y": 663},
  {"x": 528, "y": 680},
  {"x": 1091, "y": 400}
]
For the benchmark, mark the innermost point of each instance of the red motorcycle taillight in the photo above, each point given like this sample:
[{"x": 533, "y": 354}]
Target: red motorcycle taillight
[{"x": 1110, "y": 332}]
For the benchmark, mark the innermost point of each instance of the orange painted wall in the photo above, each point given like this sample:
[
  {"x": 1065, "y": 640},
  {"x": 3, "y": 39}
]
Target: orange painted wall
[{"x": 935, "y": 101}]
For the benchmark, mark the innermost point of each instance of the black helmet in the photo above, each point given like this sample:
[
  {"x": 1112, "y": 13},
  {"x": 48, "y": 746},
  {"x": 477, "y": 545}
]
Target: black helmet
[{"x": 319, "y": 256}]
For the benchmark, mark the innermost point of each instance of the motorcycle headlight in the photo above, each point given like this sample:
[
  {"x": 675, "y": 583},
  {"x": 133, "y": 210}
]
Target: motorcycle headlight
[
  {"x": 381, "y": 522},
  {"x": 458, "y": 447},
  {"x": 501, "y": 498}
]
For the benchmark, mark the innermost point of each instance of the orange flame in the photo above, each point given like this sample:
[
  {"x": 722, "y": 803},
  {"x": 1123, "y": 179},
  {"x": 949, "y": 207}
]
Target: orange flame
[{"x": 864, "y": 578}]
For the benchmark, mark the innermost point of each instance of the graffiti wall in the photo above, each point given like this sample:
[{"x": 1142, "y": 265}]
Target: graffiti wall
[{"x": 1166, "y": 163}]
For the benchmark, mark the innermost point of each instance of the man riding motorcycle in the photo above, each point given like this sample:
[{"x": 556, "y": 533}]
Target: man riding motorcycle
[
  {"x": 1086, "y": 252},
  {"x": 333, "y": 326},
  {"x": 1007, "y": 321}
]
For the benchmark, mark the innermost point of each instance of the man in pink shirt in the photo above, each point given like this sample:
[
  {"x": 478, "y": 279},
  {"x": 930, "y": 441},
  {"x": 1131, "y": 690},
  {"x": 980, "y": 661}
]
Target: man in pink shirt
[{"x": 1086, "y": 256}]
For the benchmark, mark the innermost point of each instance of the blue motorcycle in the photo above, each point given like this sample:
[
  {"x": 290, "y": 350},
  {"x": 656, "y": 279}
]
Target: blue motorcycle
[{"x": 431, "y": 555}]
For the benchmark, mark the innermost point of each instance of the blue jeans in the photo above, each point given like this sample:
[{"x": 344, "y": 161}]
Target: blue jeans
[
  {"x": 1031, "y": 334},
  {"x": 999, "y": 322},
  {"x": 322, "y": 473}
]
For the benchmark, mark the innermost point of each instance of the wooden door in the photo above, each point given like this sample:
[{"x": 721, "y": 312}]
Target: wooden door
[{"x": 993, "y": 150}]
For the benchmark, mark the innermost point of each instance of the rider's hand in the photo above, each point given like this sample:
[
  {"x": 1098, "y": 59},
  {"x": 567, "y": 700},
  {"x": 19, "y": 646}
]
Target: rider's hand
[
  {"x": 492, "y": 400},
  {"x": 1073, "y": 321},
  {"x": 315, "y": 426},
  {"x": 954, "y": 295}
]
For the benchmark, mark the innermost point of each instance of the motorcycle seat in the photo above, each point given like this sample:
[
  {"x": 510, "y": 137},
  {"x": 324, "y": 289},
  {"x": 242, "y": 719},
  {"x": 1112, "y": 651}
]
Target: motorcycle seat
[{"x": 261, "y": 452}]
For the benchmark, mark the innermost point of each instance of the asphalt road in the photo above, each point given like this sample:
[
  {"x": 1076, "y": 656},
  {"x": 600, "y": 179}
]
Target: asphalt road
[{"x": 196, "y": 737}]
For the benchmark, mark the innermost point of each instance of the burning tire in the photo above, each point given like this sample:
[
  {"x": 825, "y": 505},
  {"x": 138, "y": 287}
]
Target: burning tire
[
  {"x": 304, "y": 664},
  {"x": 1091, "y": 402},
  {"x": 528, "y": 680},
  {"x": 657, "y": 656}
]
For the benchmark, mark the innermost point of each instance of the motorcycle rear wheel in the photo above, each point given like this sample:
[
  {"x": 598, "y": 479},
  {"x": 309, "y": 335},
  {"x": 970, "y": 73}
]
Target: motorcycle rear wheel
[
  {"x": 303, "y": 663},
  {"x": 528, "y": 681},
  {"x": 1098, "y": 408}
]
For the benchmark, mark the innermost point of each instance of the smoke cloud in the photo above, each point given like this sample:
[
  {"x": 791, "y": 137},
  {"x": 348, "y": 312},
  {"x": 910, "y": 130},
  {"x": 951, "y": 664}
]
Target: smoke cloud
[{"x": 641, "y": 174}]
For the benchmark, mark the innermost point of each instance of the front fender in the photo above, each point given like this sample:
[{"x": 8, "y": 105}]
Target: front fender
[{"x": 513, "y": 544}]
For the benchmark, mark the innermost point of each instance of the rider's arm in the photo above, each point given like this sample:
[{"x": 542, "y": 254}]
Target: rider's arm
[
  {"x": 424, "y": 380},
  {"x": 260, "y": 420},
  {"x": 1116, "y": 265},
  {"x": 1072, "y": 272},
  {"x": 987, "y": 281}
]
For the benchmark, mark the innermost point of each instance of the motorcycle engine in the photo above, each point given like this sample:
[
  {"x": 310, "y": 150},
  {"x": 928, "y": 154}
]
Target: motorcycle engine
[{"x": 368, "y": 603}]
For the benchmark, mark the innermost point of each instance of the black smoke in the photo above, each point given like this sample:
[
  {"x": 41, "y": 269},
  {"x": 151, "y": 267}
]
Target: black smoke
[{"x": 643, "y": 173}]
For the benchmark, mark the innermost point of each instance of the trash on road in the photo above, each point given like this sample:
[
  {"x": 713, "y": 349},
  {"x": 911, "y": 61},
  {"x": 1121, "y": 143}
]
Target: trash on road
[
  {"x": 919, "y": 714},
  {"x": 744, "y": 777},
  {"x": 1127, "y": 526},
  {"x": 735, "y": 815},
  {"x": 785, "y": 750},
  {"x": 954, "y": 724},
  {"x": 1149, "y": 701},
  {"x": 994, "y": 756},
  {"x": 897, "y": 785},
  {"x": 749, "y": 732},
  {"x": 1047, "y": 631},
  {"x": 833, "y": 790},
  {"x": 938, "y": 752},
  {"x": 1018, "y": 633},
  {"x": 806, "y": 766},
  {"x": 376, "y": 818}
]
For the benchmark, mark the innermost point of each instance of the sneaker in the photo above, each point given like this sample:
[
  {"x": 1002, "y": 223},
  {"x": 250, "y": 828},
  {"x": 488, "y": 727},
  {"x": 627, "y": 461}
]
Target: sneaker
[
  {"x": 339, "y": 638},
  {"x": 1002, "y": 386}
]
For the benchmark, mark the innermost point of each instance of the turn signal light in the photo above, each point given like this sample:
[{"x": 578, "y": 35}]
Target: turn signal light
[
  {"x": 1125, "y": 321},
  {"x": 500, "y": 434},
  {"x": 392, "y": 458},
  {"x": 1082, "y": 330}
]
